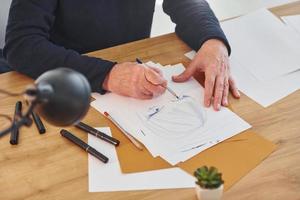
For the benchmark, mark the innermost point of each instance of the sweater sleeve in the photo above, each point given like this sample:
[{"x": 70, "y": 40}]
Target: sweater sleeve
[
  {"x": 195, "y": 22},
  {"x": 28, "y": 48}
]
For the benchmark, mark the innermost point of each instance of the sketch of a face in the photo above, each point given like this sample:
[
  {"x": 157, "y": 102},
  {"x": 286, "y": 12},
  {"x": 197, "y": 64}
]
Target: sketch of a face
[{"x": 175, "y": 119}]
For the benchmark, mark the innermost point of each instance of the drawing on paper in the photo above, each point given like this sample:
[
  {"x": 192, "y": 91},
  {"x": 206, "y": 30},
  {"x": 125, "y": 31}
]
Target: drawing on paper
[
  {"x": 210, "y": 143},
  {"x": 175, "y": 119}
]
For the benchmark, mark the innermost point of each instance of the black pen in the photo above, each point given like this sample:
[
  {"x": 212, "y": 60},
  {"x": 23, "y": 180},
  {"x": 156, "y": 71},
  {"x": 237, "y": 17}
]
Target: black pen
[
  {"x": 83, "y": 145},
  {"x": 38, "y": 122},
  {"x": 14, "y": 136},
  {"x": 97, "y": 133}
]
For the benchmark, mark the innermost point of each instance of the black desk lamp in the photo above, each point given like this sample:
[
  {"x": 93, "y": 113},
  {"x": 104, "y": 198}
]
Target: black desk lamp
[{"x": 60, "y": 96}]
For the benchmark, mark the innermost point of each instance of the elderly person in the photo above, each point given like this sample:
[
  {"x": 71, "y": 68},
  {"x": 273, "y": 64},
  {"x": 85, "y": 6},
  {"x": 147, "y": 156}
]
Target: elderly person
[{"x": 46, "y": 34}]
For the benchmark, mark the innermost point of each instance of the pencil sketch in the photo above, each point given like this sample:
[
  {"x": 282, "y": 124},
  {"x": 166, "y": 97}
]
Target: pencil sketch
[
  {"x": 175, "y": 119},
  {"x": 210, "y": 143}
]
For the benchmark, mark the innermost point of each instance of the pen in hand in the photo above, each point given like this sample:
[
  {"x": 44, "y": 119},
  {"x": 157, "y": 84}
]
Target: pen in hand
[{"x": 168, "y": 88}]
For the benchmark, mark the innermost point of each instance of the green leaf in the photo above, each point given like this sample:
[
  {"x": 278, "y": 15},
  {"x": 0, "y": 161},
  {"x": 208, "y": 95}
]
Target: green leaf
[{"x": 208, "y": 177}]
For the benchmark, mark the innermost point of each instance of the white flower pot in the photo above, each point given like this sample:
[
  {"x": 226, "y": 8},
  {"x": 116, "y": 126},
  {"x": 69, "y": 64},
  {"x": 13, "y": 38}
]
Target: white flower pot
[{"x": 209, "y": 194}]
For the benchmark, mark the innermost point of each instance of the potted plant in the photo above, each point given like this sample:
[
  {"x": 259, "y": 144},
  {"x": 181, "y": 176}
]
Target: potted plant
[{"x": 209, "y": 184}]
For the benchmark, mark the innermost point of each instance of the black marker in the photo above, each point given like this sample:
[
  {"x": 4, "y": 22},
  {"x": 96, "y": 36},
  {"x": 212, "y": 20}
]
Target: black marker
[
  {"x": 38, "y": 122},
  {"x": 14, "y": 136},
  {"x": 97, "y": 133},
  {"x": 83, "y": 145}
]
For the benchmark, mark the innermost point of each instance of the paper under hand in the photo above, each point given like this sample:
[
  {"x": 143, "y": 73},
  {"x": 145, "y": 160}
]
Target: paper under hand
[{"x": 175, "y": 130}]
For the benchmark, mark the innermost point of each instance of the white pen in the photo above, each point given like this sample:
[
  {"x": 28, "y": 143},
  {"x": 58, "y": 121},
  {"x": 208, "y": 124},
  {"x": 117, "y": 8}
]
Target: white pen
[
  {"x": 169, "y": 89},
  {"x": 128, "y": 135}
]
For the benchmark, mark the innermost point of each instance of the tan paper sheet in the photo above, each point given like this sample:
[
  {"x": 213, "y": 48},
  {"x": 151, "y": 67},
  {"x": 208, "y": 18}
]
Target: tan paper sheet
[{"x": 234, "y": 157}]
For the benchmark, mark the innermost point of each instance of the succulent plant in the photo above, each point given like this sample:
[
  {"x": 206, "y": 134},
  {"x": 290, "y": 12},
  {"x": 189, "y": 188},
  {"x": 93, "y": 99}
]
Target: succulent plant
[{"x": 208, "y": 178}]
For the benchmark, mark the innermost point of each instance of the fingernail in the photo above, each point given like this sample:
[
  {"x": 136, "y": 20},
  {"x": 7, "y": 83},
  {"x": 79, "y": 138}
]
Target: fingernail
[
  {"x": 218, "y": 107},
  {"x": 225, "y": 103},
  {"x": 207, "y": 103}
]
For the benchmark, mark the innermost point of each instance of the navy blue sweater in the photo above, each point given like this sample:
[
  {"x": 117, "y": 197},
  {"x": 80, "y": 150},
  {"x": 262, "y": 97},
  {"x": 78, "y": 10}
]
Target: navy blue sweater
[{"x": 45, "y": 34}]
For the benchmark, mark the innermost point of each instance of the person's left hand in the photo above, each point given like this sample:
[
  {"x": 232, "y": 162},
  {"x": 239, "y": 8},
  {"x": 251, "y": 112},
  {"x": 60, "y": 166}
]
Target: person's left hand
[{"x": 212, "y": 59}]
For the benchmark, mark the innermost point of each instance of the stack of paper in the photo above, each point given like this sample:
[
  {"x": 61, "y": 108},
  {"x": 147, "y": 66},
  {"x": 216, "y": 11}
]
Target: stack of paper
[
  {"x": 108, "y": 177},
  {"x": 292, "y": 21},
  {"x": 265, "y": 56},
  {"x": 173, "y": 129},
  {"x": 234, "y": 8}
]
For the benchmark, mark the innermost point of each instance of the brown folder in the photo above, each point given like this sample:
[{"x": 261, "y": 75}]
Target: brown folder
[{"x": 234, "y": 157}]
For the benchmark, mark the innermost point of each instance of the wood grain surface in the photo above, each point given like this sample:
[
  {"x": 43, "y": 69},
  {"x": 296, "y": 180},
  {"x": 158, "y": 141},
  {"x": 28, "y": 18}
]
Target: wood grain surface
[{"x": 49, "y": 167}]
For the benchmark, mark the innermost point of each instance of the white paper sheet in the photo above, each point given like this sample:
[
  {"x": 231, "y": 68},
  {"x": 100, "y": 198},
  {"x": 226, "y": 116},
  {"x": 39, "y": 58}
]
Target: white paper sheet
[
  {"x": 190, "y": 54},
  {"x": 292, "y": 21},
  {"x": 275, "y": 3},
  {"x": 159, "y": 136},
  {"x": 263, "y": 44},
  {"x": 234, "y": 8},
  {"x": 108, "y": 177},
  {"x": 258, "y": 58},
  {"x": 264, "y": 93}
]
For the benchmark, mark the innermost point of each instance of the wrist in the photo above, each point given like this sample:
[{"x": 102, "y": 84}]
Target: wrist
[
  {"x": 217, "y": 43},
  {"x": 106, "y": 82}
]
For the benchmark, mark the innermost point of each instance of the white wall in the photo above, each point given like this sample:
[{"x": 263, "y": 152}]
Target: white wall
[
  {"x": 4, "y": 9},
  {"x": 162, "y": 23},
  {"x": 223, "y": 9}
]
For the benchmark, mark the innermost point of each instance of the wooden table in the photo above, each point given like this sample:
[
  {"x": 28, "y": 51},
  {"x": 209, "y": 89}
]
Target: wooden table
[{"x": 49, "y": 167}]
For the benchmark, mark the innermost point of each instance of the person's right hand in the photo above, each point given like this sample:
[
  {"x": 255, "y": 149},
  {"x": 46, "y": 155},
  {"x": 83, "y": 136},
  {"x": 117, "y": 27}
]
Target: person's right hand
[{"x": 135, "y": 80}]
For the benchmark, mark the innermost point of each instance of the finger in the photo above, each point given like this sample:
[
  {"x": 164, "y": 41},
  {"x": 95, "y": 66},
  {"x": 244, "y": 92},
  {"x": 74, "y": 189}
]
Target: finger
[
  {"x": 208, "y": 89},
  {"x": 233, "y": 88},
  {"x": 225, "y": 92},
  {"x": 153, "y": 89},
  {"x": 144, "y": 96},
  {"x": 142, "y": 93},
  {"x": 164, "y": 84},
  {"x": 154, "y": 77},
  {"x": 141, "y": 89},
  {"x": 220, "y": 84},
  {"x": 218, "y": 93},
  {"x": 156, "y": 70},
  {"x": 186, "y": 75}
]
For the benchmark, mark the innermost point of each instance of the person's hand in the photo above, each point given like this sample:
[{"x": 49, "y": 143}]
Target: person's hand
[
  {"x": 212, "y": 59},
  {"x": 135, "y": 80}
]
